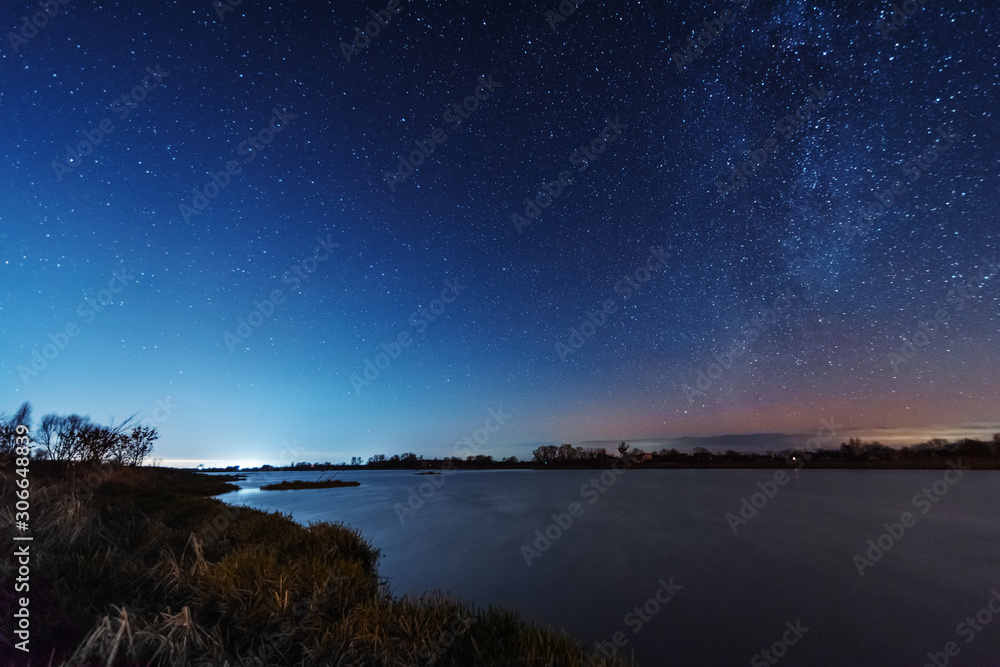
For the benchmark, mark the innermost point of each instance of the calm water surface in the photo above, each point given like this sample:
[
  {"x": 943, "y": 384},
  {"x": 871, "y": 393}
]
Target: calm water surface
[{"x": 793, "y": 561}]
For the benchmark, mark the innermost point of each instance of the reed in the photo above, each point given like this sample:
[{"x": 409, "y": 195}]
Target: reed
[{"x": 150, "y": 570}]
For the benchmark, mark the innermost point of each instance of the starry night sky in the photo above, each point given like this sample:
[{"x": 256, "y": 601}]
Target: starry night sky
[{"x": 168, "y": 343}]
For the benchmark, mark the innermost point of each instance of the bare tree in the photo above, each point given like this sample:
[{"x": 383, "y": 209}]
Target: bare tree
[
  {"x": 107, "y": 443},
  {"x": 76, "y": 438},
  {"x": 101, "y": 443},
  {"x": 138, "y": 445},
  {"x": 48, "y": 435},
  {"x": 8, "y": 429},
  {"x": 71, "y": 436}
]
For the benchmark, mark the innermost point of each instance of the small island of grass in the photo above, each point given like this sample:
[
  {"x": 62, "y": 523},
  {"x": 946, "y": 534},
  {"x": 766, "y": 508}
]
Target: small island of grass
[
  {"x": 303, "y": 484},
  {"x": 141, "y": 568}
]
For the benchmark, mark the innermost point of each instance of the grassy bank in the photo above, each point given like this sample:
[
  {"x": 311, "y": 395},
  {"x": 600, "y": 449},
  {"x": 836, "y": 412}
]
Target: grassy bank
[{"x": 148, "y": 569}]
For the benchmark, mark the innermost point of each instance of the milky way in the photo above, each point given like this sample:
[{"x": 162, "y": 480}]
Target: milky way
[{"x": 318, "y": 231}]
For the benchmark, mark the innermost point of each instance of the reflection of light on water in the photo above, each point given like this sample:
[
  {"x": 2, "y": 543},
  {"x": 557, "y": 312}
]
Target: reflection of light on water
[{"x": 466, "y": 540}]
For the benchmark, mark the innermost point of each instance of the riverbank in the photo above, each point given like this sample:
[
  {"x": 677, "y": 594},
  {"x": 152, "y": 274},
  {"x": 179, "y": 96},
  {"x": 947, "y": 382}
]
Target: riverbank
[{"x": 143, "y": 566}]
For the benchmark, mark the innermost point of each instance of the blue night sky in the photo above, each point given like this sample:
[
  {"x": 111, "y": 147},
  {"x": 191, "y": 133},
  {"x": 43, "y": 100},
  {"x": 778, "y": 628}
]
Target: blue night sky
[{"x": 611, "y": 242}]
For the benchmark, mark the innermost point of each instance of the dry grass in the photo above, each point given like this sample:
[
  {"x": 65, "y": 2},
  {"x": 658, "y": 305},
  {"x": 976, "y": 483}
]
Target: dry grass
[{"x": 147, "y": 571}]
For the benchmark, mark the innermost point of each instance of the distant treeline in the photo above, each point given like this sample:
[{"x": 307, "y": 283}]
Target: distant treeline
[{"x": 854, "y": 451}]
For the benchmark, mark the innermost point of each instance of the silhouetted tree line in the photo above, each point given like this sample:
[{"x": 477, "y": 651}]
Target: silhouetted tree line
[
  {"x": 568, "y": 456},
  {"x": 76, "y": 438},
  {"x": 853, "y": 450},
  {"x": 411, "y": 460}
]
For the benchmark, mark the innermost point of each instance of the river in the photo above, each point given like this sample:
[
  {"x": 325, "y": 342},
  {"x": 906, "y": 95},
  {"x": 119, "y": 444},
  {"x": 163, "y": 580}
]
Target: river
[{"x": 663, "y": 562}]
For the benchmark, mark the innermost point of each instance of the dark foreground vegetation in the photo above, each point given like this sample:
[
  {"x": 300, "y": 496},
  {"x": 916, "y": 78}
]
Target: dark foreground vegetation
[
  {"x": 302, "y": 484},
  {"x": 138, "y": 566},
  {"x": 76, "y": 438}
]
